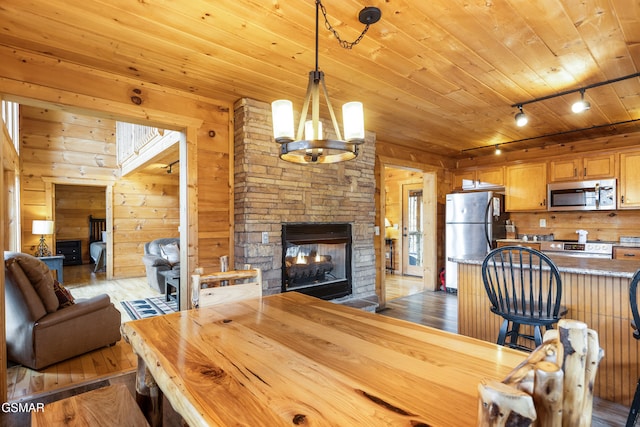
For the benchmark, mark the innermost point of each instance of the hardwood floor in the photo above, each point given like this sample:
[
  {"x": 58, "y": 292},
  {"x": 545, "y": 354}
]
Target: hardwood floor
[{"x": 436, "y": 309}]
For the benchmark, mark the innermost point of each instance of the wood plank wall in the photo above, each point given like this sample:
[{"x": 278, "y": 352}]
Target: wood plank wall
[
  {"x": 145, "y": 207},
  {"x": 63, "y": 145},
  {"x": 57, "y": 144},
  {"x": 608, "y": 226}
]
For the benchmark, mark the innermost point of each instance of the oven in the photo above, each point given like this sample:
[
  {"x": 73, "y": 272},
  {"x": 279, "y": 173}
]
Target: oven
[{"x": 602, "y": 250}]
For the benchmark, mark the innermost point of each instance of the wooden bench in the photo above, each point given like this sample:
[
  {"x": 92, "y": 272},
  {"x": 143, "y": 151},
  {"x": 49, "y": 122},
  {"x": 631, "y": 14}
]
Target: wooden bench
[{"x": 111, "y": 406}]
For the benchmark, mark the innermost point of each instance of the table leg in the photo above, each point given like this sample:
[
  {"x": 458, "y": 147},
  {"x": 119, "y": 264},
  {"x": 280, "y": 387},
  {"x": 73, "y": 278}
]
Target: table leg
[{"x": 148, "y": 395}]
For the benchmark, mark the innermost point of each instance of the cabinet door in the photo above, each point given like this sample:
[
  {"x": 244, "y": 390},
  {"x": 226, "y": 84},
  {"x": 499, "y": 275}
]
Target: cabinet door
[
  {"x": 629, "y": 180},
  {"x": 490, "y": 177},
  {"x": 464, "y": 179},
  {"x": 526, "y": 188},
  {"x": 599, "y": 166},
  {"x": 564, "y": 170}
]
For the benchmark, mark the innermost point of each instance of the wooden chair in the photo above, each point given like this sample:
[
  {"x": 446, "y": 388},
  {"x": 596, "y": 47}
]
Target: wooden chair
[
  {"x": 225, "y": 289},
  {"x": 524, "y": 288},
  {"x": 633, "y": 299}
]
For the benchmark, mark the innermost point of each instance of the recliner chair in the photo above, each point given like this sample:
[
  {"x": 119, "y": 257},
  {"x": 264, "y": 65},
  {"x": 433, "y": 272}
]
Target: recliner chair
[
  {"x": 41, "y": 333},
  {"x": 155, "y": 262}
]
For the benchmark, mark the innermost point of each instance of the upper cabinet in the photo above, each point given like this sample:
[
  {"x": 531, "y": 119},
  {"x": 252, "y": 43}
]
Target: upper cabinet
[
  {"x": 582, "y": 168},
  {"x": 473, "y": 179},
  {"x": 629, "y": 183},
  {"x": 526, "y": 188}
]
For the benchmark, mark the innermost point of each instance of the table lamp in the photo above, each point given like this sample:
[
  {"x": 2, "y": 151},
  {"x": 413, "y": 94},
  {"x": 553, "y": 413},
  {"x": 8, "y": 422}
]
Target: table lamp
[{"x": 42, "y": 227}]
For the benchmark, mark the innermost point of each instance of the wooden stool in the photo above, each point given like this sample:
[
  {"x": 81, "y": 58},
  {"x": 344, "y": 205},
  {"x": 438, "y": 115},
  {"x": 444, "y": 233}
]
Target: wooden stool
[{"x": 111, "y": 406}]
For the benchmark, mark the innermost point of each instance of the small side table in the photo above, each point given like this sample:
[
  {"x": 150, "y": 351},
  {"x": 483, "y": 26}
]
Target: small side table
[
  {"x": 390, "y": 266},
  {"x": 172, "y": 285},
  {"x": 54, "y": 263}
]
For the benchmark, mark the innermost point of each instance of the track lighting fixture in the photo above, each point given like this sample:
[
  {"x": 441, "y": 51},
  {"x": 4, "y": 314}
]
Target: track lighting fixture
[
  {"x": 577, "y": 107},
  {"x": 582, "y": 105},
  {"x": 498, "y": 150},
  {"x": 521, "y": 117}
]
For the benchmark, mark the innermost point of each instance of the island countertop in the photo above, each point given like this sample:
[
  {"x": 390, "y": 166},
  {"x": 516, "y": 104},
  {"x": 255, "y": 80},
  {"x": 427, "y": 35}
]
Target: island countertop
[{"x": 567, "y": 264}]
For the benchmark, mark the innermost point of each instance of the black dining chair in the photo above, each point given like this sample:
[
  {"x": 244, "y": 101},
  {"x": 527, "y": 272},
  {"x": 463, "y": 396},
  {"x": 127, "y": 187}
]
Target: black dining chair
[
  {"x": 635, "y": 323},
  {"x": 524, "y": 288}
]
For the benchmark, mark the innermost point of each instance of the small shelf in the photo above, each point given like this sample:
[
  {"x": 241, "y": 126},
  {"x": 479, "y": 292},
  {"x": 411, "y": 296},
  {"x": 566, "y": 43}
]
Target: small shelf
[{"x": 72, "y": 251}]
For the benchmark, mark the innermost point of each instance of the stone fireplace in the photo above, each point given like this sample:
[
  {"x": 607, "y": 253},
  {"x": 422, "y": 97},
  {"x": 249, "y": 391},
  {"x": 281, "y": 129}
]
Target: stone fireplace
[{"x": 269, "y": 192}]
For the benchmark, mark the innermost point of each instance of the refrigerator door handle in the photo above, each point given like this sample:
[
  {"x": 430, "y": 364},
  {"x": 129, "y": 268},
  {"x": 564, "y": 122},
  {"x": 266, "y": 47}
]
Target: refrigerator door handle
[{"x": 486, "y": 223}]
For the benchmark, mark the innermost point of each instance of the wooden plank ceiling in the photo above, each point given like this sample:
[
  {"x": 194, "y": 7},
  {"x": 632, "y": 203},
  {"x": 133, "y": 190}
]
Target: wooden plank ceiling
[{"x": 437, "y": 75}]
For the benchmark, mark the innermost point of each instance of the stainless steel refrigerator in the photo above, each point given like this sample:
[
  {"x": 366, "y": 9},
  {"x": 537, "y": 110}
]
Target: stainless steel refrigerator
[{"x": 473, "y": 223}]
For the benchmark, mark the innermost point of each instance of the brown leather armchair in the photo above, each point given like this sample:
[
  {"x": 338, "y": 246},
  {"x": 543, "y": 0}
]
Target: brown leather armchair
[{"x": 39, "y": 332}]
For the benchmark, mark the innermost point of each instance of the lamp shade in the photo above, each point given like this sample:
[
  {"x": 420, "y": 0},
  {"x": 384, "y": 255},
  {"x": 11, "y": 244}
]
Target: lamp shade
[
  {"x": 42, "y": 227},
  {"x": 353, "y": 120},
  {"x": 282, "y": 115},
  {"x": 308, "y": 130}
]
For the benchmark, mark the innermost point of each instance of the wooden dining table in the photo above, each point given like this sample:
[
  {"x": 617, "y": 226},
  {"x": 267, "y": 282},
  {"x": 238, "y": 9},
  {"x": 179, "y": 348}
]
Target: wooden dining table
[{"x": 291, "y": 359}]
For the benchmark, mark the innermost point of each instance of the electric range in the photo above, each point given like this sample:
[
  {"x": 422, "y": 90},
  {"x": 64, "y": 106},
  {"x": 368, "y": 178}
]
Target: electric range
[{"x": 591, "y": 249}]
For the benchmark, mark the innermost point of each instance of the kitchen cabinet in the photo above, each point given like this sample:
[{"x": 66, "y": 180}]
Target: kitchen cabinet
[
  {"x": 587, "y": 167},
  {"x": 473, "y": 179},
  {"x": 629, "y": 183},
  {"x": 526, "y": 187},
  {"x": 630, "y": 254}
]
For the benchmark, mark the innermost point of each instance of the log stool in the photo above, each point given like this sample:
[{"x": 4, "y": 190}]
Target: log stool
[{"x": 111, "y": 406}]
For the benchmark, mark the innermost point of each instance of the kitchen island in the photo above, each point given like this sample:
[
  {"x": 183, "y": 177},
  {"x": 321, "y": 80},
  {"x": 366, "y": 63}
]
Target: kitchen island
[{"x": 596, "y": 291}]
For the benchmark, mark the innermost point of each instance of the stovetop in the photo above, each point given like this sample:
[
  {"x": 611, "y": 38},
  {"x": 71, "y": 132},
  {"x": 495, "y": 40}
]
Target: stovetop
[{"x": 591, "y": 247}]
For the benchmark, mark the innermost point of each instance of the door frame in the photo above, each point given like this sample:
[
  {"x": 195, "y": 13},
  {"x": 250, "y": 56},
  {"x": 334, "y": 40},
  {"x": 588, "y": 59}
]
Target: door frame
[{"x": 429, "y": 204}]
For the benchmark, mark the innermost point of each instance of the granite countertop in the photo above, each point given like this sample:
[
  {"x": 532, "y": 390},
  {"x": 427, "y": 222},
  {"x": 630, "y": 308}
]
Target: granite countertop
[{"x": 566, "y": 264}]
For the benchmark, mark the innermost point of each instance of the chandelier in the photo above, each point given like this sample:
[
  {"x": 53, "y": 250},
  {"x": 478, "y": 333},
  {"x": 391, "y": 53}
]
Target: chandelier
[{"x": 309, "y": 145}]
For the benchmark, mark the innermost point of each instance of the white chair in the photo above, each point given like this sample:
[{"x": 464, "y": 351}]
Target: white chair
[{"x": 230, "y": 291}]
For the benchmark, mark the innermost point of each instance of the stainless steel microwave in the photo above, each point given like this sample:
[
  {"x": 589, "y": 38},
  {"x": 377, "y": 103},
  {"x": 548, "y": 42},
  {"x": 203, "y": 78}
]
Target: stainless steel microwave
[{"x": 582, "y": 195}]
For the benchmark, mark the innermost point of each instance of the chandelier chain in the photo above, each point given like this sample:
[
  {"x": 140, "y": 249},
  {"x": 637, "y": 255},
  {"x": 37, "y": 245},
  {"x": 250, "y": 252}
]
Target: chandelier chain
[{"x": 345, "y": 44}]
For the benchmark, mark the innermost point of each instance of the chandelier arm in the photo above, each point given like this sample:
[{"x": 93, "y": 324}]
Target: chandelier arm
[
  {"x": 333, "y": 116},
  {"x": 305, "y": 106}
]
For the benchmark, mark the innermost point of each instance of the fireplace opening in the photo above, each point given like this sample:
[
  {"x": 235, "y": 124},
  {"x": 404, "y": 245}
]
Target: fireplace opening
[{"x": 316, "y": 259}]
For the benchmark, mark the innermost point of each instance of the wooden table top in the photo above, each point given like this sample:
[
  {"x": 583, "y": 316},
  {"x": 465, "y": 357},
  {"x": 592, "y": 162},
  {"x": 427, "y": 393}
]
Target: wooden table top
[{"x": 291, "y": 359}]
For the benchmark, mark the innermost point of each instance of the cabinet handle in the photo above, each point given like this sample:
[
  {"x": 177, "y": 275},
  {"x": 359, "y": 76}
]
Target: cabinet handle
[
  {"x": 544, "y": 202},
  {"x": 575, "y": 172},
  {"x": 585, "y": 171},
  {"x": 622, "y": 200},
  {"x": 629, "y": 255}
]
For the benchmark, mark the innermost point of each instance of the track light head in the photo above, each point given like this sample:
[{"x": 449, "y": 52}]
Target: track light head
[
  {"x": 521, "y": 117},
  {"x": 498, "y": 150},
  {"x": 582, "y": 105}
]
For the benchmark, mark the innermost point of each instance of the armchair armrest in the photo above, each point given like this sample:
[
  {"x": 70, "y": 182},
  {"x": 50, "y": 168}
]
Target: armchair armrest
[
  {"x": 78, "y": 309},
  {"x": 155, "y": 261}
]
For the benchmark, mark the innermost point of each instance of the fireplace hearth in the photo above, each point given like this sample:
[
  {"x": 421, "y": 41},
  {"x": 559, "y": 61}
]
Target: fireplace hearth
[{"x": 317, "y": 259}]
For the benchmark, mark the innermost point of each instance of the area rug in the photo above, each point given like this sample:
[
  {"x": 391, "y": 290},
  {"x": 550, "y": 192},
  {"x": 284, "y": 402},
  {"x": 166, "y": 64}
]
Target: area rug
[{"x": 149, "y": 307}]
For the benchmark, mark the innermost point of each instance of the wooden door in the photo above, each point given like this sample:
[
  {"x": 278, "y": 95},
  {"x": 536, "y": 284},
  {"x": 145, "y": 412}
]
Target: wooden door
[
  {"x": 526, "y": 187},
  {"x": 564, "y": 170},
  {"x": 490, "y": 177},
  {"x": 629, "y": 197},
  {"x": 599, "y": 166}
]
